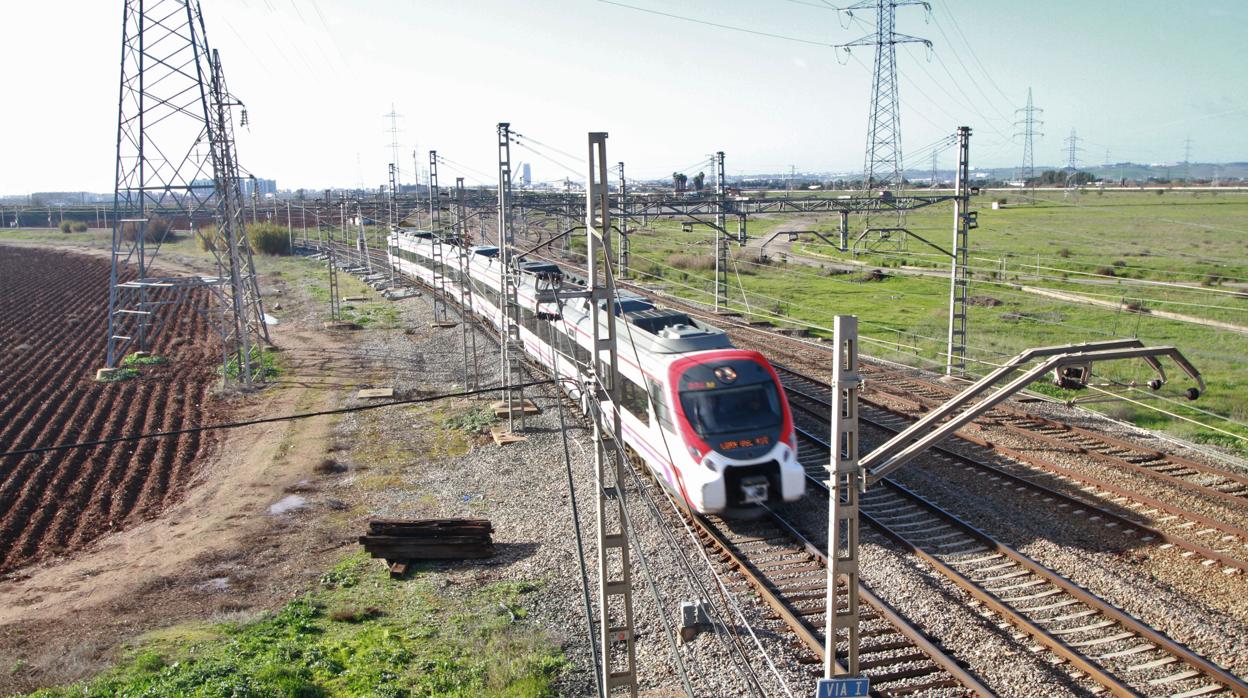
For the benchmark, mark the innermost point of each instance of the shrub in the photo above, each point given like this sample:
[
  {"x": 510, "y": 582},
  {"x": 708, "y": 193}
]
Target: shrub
[
  {"x": 268, "y": 238},
  {"x": 207, "y": 236},
  {"x": 1119, "y": 263},
  {"x": 1063, "y": 253},
  {"x": 66, "y": 226},
  {"x": 1105, "y": 271},
  {"x": 751, "y": 257},
  {"x": 158, "y": 229},
  {"x": 80, "y": 227},
  {"x": 693, "y": 262}
]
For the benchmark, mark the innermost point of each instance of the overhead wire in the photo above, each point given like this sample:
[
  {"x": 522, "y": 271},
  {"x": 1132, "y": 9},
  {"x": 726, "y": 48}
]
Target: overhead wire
[
  {"x": 717, "y": 24},
  {"x": 610, "y": 271},
  {"x": 251, "y": 422}
]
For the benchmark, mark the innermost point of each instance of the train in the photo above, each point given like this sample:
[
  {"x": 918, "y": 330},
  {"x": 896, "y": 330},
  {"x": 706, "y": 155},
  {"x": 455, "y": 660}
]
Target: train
[{"x": 709, "y": 420}]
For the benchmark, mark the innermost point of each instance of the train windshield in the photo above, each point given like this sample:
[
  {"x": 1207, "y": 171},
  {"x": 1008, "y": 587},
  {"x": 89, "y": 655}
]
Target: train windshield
[{"x": 729, "y": 410}]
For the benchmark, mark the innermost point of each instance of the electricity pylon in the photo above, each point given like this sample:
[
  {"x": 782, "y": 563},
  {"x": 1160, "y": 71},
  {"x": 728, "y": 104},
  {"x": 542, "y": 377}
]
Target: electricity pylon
[
  {"x": 882, "y": 168},
  {"x": 173, "y": 103},
  {"x": 1029, "y": 124}
]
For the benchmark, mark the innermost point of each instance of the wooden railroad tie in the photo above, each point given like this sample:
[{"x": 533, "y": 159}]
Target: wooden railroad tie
[{"x": 401, "y": 541}]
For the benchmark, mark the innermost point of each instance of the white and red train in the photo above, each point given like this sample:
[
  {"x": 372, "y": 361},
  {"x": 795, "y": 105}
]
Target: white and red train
[{"x": 710, "y": 421}]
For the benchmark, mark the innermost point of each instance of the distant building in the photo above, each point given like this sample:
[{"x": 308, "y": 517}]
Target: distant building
[
  {"x": 526, "y": 176},
  {"x": 264, "y": 187}
]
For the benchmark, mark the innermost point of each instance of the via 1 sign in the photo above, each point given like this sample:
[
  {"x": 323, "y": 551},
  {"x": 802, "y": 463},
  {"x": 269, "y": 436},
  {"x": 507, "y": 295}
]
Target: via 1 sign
[{"x": 844, "y": 687}]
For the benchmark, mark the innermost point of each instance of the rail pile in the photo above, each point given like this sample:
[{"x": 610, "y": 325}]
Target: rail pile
[{"x": 401, "y": 541}]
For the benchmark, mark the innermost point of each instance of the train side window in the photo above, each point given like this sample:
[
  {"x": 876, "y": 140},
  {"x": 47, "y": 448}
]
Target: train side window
[
  {"x": 633, "y": 398},
  {"x": 660, "y": 407}
]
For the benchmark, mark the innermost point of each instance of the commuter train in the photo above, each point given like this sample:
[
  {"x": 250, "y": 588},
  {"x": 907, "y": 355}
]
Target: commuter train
[{"x": 710, "y": 421}]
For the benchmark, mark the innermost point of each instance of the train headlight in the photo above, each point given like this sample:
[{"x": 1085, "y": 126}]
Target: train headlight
[
  {"x": 693, "y": 451},
  {"x": 708, "y": 464}
]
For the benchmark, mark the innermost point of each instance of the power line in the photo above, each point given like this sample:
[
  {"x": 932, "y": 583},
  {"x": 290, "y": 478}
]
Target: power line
[
  {"x": 263, "y": 420},
  {"x": 716, "y": 24}
]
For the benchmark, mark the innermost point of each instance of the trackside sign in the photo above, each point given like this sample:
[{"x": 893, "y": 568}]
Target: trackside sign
[{"x": 844, "y": 687}]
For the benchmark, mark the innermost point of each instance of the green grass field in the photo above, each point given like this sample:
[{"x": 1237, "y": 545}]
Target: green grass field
[
  {"x": 357, "y": 633},
  {"x": 1179, "y": 253}
]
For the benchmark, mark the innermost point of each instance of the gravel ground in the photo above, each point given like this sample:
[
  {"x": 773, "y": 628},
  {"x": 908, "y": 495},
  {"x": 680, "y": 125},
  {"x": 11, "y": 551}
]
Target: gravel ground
[{"x": 522, "y": 489}]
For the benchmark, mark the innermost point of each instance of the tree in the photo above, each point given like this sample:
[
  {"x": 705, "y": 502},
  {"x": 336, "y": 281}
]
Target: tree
[
  {"x": 699, "y": 181},
  {"x": 679, "y": 179}
]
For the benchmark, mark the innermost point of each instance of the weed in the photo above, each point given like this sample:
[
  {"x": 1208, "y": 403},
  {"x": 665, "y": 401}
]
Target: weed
[
  {"x": 476, "y": 420},
  {"x": 149, "y": 360},
  {"x": 263, "y": 364},
  {"x": 117, "y": 375}
]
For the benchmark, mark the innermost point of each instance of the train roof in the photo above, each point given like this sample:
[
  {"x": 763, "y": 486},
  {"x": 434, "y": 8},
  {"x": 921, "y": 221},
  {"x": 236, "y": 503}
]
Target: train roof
[{"x": 666, "y": 331}]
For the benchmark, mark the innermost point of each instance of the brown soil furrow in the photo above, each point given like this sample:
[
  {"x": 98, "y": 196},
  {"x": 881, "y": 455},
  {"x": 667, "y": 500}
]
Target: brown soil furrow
[
  {"x": 42, "y": 503},
  {"x": 141, "y": 464},
  {"x": 53, "y": 305}
]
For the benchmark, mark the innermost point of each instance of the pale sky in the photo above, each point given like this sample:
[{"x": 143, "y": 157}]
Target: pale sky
[{"x": 1136, "y": 77}]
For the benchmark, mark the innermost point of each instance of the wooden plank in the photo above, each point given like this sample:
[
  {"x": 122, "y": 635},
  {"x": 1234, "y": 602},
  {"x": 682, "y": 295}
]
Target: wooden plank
[
  {"x": 398, "y": 568},
  {"x": 364, "y": 393},
  {"x": 381, "y": 541},
  {"x": 502, "y": 437},
  {"x": 425, "y": 552}
]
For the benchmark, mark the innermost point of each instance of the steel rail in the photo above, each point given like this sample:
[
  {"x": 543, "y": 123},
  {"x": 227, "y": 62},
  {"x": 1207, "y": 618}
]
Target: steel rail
[
  {"x": 1158, "y": 459},
  {"x": 1219, "y": 556},
  {"x": 812, "y": 639},
  {"x": 1016, "y": 616}
]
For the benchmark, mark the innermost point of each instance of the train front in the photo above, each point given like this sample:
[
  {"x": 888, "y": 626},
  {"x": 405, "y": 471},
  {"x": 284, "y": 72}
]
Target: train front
[{"x": 737, "y": 428}]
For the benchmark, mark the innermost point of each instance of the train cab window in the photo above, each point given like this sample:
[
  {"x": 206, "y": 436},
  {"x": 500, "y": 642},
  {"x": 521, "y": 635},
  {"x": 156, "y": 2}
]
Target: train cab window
[{"x": 726, "y": 410}]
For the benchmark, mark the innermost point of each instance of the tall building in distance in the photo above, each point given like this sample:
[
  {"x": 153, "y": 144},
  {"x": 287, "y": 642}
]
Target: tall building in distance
[
  {"x": 262, "y": 187},
  {"x": 526, "y": 176}
]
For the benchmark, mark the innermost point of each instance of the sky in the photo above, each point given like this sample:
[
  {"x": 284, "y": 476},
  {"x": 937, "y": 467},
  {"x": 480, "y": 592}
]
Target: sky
[{"x": 1134, "y": 78}]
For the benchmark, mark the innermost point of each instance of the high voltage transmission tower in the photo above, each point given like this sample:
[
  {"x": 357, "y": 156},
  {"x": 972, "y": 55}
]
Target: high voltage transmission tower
[
  {"x": 1029, "y": 123},
  {"x": 1072, "y": 151},
  {"x": 1187, "y": 160},
  {"x": 173, "y": 102},
  {"x": 882, "y": 168},
  {"x": 394, "y": 117}
]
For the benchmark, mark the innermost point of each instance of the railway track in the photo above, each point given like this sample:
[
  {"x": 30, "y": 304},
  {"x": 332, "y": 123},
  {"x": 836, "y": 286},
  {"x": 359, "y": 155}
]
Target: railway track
[
  {"x": 1206, "y": 541},
  {"x": 1214, "y": 483},
  {"x": 1103, "y": 644},
  {"x": 788, "y": 572}
]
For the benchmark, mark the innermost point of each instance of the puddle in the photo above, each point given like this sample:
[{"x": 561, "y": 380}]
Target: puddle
[
  {"x": 287, "y": 504},
  {"x": 214, "y": 584}
]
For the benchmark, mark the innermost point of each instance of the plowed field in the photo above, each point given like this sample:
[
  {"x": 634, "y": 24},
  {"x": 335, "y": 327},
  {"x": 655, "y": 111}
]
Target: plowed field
[{"x": 52, "y": 324}]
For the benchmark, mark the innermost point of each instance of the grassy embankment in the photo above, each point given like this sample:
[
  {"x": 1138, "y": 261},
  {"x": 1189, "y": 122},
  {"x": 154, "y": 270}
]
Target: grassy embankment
[
  {"x": 1194, "y": 244},
  {"x": 359, "y": 633}
]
